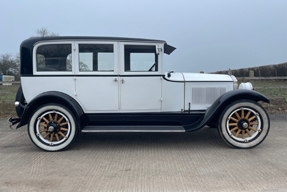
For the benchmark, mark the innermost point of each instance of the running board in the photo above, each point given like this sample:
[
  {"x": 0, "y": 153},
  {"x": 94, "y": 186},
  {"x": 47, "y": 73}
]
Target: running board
[{"x": 133, "y": 129}]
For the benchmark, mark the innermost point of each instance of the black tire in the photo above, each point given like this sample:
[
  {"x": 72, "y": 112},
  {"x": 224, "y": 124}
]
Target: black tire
[
  {"x": 53, "y": 127},
  {"x": 20, "y": 97},
  {"x": 244, "y": 124}
]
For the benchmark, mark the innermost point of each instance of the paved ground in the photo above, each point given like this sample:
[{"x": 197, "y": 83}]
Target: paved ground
[{"x": 198, "y": 161}]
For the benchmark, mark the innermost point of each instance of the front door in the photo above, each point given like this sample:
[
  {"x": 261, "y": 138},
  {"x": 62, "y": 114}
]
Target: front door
[{"x": 140, "y": 79}]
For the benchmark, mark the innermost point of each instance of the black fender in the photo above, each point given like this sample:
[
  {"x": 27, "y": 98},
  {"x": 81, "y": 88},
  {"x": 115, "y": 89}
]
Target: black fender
[
  {"x": 20, "y": 98},
  {"x": 223, "y": 101},
  {"x": 53, "y": 97}
]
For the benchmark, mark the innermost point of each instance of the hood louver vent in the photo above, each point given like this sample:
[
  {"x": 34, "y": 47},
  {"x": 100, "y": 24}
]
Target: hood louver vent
[{"x": 206, "y": 95}]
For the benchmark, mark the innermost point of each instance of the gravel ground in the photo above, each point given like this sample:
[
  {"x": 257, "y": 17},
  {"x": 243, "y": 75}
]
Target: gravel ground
[{"x": 197, "y": 161}]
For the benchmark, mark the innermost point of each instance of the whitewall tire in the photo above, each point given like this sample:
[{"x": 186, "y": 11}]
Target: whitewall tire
[
  {"x": 244, "y": 124},
  {"x": 52, "y": 127}
]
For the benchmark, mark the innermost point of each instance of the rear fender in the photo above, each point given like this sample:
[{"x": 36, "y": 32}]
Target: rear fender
[{"x": 53, "y": 97}]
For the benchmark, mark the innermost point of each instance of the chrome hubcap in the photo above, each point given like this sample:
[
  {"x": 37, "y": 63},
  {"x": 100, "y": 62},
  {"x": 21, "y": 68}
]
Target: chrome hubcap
[
  {"x": 245, "y": 125},
  {"x": 51, "y": 129}
]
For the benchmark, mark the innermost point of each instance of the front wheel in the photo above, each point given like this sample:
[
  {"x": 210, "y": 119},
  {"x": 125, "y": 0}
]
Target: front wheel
[
  {"x": 244, "y": 124},
  {"x": 52, "y": 127}
]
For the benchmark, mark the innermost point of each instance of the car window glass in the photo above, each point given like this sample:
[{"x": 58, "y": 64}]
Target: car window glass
[
  {"x": 141, "y": 58},
  {"x": 56, "y": 57},
  {"x": 141, "y": 61},
  {"x": 96, "y": 57}
]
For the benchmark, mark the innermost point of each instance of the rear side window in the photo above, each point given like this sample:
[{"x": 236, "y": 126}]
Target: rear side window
[
  {"x": 57, "y": 57},
  {"x": 96, "y": 57}
]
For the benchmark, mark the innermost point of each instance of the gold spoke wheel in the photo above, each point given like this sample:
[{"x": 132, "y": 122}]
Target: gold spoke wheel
[
  {"x": 242, "y": 124},
  {"x": 53, "y": 127}
]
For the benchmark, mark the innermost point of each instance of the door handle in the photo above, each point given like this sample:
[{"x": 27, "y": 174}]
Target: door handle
[
  {"x": 115, "y": 80},
  {"x": 123, "y": 80}
]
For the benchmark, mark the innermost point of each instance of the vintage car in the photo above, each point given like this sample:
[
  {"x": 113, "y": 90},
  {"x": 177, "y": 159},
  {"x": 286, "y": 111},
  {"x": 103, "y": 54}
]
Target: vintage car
[{"x": 71, "y": 85}]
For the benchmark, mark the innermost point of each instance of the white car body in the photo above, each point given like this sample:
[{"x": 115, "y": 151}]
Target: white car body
[
  {"x": 110, "y": 84},
  {"x": 121, "y": 91}
]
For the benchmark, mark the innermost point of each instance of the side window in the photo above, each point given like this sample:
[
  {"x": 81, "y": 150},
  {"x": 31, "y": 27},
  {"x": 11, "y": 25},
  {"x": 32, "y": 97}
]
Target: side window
[
  {"x": 96, "y": 57},
  {"x": 57, "y": 57},
  {"x": 141, "y": 58}
]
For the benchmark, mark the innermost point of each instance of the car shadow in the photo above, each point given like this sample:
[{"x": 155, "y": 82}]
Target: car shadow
[{"x": 204, "y": 138}]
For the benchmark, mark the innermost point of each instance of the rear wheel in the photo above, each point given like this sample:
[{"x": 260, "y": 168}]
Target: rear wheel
[
  {"x": 52, "y": 127},
  {"x": 244, "y": 124}
]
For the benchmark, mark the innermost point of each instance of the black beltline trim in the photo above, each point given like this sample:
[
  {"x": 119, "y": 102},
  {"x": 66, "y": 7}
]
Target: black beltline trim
[
  {"x": 69, "y": 75},
  {"x": 140, "y": 75},
  {"x": 89, "y": 75}
]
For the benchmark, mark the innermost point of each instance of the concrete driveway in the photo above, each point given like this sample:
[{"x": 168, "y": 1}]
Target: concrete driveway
[{"x": 197, "y": 161}]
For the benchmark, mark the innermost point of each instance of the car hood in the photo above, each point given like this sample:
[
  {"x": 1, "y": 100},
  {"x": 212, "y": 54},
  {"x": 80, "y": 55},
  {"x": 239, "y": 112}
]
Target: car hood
[{"x": 187, "y": 77}]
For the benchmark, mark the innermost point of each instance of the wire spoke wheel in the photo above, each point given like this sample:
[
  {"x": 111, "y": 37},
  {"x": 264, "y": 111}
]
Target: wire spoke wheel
[
  {"x": 52, "y": 127},
  {"x": 244, "y": 124}
]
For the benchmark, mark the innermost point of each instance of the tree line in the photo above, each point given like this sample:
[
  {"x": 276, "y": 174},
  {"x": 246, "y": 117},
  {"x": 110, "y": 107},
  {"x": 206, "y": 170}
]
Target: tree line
[
  {"x": 278, "y": 70},
  {"x": 10, "y": 64}
]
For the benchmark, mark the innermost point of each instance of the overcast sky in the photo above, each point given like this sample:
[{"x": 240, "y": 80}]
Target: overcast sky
[{"x": 209, "y": 35}]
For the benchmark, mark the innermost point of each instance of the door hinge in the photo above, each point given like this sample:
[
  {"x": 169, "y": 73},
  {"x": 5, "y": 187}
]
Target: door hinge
[{"x": 158, "y": 49}]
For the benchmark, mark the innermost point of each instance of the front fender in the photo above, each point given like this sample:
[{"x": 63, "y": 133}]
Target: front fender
[
  {"x": 52, "y": 97},
  {"x": 223, "y": 101}
]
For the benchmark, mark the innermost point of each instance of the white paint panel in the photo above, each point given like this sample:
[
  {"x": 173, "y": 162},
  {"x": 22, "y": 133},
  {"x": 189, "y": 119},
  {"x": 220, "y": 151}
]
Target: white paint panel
[
  {"x": 141, "y": 93},
  {"x": 172, "y": 96},
  {"x": 206, "y": 77},
  {"x": 201, "y": 95},
  {"x": 98, "y": 93},
  {"x": 33, "y": 86}
]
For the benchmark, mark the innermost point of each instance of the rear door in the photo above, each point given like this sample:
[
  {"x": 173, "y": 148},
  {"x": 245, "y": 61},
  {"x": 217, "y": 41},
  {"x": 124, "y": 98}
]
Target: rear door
[{"x": 96, "y": 79}]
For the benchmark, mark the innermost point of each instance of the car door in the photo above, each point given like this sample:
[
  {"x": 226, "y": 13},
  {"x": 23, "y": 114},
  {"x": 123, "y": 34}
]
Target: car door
[
  {"x": 140, "y": 78},
  {"x": 96, "y": 79}
]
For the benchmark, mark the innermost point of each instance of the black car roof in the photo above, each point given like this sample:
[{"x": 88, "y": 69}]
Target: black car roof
[
  {"x": 124, "y": 39},
  {"x": 168, "y": 49},
  {"x": 26, "y": 47}
]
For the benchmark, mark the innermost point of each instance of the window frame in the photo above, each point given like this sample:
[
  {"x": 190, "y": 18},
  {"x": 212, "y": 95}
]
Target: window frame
[
  {"x": 115, "y": 48},
  {"x": 122, "y": 59},
  {"x": 35, "y": 72}
]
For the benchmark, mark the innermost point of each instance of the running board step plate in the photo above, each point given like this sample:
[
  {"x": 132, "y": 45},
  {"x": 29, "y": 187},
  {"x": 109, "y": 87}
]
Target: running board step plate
[{"x": 133, "y": 129}]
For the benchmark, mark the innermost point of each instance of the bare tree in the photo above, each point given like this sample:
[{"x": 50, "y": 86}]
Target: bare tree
[
  {"x": 9, "y": 65},
  {"x": 44, "y": 32}
]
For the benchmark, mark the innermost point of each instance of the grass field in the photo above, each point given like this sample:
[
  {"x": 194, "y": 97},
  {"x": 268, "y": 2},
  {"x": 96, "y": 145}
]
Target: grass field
[
  {"x": 7, "y": 98},
  {"x": 276, "y": 91},
  {"x": 277, "y": 96}
]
